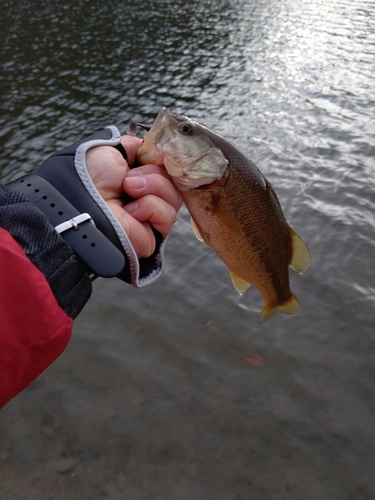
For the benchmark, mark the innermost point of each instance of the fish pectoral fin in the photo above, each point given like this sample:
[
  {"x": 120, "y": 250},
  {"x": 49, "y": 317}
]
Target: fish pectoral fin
[
  {"x": 290, "y": 307},
  {"x": 300, "y": 254},
  {"x": 228, "y": 218},
  {"x": 196, "y": 230},
  {"x": 239, "y": 284}
]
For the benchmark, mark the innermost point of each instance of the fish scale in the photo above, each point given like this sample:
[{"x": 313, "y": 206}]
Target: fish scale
[
  {"x": 234, "y": 208},
  {"x": 256, "y": 256}
]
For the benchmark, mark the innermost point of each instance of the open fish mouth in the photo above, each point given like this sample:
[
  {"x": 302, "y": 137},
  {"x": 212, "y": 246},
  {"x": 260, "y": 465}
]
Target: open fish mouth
[
  {"x": 152, "y": 148},
  {"x": 161, "y": 117}
]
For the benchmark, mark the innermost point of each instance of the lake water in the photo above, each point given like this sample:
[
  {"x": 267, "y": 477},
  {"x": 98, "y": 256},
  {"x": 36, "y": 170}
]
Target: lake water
[{"x": 154, "y": 398}]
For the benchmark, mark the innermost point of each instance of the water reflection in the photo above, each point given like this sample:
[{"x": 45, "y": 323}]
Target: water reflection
[{"x": 147, "y": 401}]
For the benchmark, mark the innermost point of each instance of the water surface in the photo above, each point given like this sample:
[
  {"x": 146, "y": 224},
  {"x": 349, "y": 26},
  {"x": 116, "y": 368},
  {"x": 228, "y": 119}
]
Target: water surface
[{"x": 154, "y": 398}]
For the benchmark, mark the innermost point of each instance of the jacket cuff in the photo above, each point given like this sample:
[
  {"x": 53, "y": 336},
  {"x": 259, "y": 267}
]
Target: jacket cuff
[{"x": 64, "y": 271}]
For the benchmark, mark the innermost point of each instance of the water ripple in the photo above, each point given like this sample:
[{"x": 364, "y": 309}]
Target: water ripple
[{"x": 290, "y": 83}]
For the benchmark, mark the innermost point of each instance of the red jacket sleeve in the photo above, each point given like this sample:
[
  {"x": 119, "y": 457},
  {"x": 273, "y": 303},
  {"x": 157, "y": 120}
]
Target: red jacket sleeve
[{"x": 34, "y": 330}]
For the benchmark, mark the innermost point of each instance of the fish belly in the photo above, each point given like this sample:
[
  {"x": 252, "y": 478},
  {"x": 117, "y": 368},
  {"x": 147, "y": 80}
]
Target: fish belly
[{"x": 237, "y": 249}]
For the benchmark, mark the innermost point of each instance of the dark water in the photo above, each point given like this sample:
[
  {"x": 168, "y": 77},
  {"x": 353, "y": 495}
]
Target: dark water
[{"x": 153, "y": 398}]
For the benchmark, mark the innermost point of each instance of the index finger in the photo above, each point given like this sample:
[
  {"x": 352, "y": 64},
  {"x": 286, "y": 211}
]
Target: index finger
[
  {"x": 149, "y": 169},
  {"x": 152, "y": 184}
]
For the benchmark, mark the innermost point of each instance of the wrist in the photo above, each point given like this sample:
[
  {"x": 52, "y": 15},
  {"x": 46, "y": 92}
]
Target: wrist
[
  {"x": 31, "y": 229},
  {"x": 78, "y": 230}
]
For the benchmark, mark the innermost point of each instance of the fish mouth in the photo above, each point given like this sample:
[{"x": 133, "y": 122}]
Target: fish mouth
[
  {"x": 160, "y": 131},
  {"x": 163, "y": 116},
  {"x": 151, "y": 149}
]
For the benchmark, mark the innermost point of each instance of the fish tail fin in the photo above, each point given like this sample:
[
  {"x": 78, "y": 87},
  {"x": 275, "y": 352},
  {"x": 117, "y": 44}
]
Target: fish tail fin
[
  {"x": 290, "y": 307},
  {"x": 300, "y": 260}
]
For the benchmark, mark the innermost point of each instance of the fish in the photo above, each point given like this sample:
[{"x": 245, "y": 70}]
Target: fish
[{"x": 233, "y": 207}]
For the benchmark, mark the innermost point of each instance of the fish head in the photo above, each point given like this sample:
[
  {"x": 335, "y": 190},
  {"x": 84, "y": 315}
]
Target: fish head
[{"x": 183, "y": 146}]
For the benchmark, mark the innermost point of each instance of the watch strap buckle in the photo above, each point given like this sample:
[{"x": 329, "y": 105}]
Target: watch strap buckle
[{"x": 74, "y": 222}]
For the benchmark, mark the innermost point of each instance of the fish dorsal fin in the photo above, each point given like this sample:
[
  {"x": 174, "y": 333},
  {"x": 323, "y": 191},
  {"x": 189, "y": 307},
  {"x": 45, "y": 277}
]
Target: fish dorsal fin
[
  {"x": 228, "y": 218},
  {"x": 300, "y": 255},
  {"x": 290, "y": 307},
  {"x": 196, "y": 230},
  {"x": 239, "y": 284}
]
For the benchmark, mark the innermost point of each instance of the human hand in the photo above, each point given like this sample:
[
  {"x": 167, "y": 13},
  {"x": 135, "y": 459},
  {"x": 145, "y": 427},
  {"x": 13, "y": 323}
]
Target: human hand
[{"x": 156, "y": 199}]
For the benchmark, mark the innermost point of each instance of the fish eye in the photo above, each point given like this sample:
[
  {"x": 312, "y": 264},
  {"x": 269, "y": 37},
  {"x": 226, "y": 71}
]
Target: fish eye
[{"x": 186, "y": 128}]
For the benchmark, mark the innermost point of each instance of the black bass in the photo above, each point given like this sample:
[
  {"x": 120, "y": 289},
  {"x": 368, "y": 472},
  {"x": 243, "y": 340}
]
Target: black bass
[{"x": 234, "y": 208}]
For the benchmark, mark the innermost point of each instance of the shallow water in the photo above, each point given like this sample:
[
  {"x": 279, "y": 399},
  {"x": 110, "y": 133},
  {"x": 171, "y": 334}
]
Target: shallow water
[{"x": 154, "y": 397}]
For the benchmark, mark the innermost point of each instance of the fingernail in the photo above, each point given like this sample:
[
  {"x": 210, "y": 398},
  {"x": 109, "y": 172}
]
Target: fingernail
[
  {"x": 136, "y": 182},
  {"x": 134, "y": 172},
  {"x": 131, "y": 207}
]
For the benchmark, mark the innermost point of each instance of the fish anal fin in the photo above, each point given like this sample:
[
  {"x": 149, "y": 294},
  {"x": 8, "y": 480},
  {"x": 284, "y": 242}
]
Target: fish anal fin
[
  {"x": 239, "y": 284},
  {"x": 228, "y": 218},
  {"x": 300, "y": 255},
  {"x": 290, "y": 307},
  {"x": 196, "y": 230}
]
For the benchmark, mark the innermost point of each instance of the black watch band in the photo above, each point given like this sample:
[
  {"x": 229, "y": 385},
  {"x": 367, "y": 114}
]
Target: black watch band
[{"x": 77, "y": 229}]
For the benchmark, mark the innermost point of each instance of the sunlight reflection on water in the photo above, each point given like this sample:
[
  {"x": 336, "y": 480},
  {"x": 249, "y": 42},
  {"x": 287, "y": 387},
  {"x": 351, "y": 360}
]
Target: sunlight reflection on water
[{"x": 149, "y": 401}]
